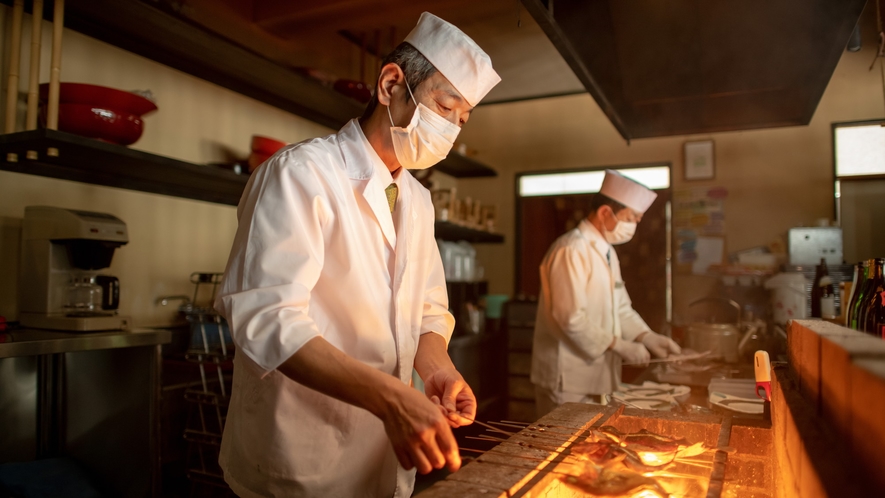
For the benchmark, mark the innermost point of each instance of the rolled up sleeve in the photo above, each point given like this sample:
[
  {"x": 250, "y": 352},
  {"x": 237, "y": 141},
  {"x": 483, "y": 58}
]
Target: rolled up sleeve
[
  {"x": 275, "y": 263},
  {"x": 567, "y": 272},
  {"x": 436, "y": 317}
]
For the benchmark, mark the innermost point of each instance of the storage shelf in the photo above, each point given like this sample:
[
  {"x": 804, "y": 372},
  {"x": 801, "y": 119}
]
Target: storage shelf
[
  {"x": 463, "y": 167},
  {"x": 67, "y": 156},
  {"x": 449, "y": 231}
]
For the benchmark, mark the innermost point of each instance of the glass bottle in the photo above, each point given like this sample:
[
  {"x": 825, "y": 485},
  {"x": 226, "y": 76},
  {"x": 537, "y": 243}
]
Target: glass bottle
[
  {"x": 849, "y": 297},
  {"x": 870, "y": 305},
  {"x": 857, "y": 296},
  {"x": 879, "y": 327},
  {"x": 816, "y": 290}
]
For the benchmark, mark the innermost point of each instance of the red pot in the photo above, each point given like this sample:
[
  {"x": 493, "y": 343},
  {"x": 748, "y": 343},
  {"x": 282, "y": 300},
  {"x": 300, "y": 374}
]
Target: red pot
[{"x": 99, "y": 112}]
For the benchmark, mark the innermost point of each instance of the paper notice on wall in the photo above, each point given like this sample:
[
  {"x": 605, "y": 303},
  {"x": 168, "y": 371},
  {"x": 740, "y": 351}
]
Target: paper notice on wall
[
  {"x": 698, "y": 212},
  {"x": 709, "y": 251}
]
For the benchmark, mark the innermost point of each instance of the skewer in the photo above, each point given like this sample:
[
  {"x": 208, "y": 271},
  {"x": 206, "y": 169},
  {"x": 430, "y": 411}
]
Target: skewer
[
  {"x": 14, "y": 64},
  {"x": 490, "y": 427},
  {"x": 534, "y": 459},
  {"x": 672, "y": 360},
  {"x": 58, "y": 24},
  {"x": 507, "y": 424},
  {"x": 34, "y": 81}
]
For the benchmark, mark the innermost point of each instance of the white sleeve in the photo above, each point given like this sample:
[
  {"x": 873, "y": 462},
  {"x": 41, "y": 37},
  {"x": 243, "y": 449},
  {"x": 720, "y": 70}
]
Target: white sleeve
[
  {"x": 436, "y": 317},
  {"x": 570, "y": 306},
  {"x": 631, "y": 323},
  {"x": 275, "y": 261}
]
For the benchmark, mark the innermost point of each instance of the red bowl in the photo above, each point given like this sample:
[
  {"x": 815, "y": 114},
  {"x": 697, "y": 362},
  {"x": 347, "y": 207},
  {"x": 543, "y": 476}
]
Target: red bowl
[
  {"x": 99, "y": 112},
  {"x": 101, "y": 97},
  {"x": 102, "y": 124},
  {"x": 266, "y": 145}
]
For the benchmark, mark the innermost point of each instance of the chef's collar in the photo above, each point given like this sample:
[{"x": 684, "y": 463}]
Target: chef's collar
[
  {"x": 360, "y": 159},
  {"x": 591, "y": 233}
]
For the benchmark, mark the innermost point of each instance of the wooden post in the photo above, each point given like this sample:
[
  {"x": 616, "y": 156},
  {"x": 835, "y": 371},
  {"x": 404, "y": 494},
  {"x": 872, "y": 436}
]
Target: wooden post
[
  {"x": 34, "y": 81},
  {"x": 58, "y": 24},
  {"x": 14, "y": 65}
]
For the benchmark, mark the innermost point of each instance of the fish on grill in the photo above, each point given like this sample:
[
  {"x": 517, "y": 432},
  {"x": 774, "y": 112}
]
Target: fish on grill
[{"x": 602, "y": 481}]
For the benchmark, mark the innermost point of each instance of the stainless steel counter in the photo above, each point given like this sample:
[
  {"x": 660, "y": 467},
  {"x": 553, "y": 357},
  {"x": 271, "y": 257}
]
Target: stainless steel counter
[
  {"x": 93, "y": 397},
  {"x": 31, "y": 342}
]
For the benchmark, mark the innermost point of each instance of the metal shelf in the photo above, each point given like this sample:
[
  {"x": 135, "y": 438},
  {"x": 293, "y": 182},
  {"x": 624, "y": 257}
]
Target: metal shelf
[
  {"x": 449, "y": 231},
  {"x": 67, "y": 156}
]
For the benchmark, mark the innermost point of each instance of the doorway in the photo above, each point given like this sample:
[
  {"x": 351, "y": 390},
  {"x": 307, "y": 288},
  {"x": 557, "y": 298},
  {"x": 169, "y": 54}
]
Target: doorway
[{"x": 556, "y": 205}]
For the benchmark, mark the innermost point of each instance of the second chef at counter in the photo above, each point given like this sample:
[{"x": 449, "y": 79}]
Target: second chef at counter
[
  {"x": 586, "y": 325},
  {"x": 335, "y": 289}
]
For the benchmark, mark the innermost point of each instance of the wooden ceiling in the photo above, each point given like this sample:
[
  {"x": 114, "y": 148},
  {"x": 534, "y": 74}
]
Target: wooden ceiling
[
  {"x": 328, "y": 35},
  {"x": 654, "y": 67}
]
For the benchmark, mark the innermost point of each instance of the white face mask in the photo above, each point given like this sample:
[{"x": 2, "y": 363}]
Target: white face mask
[
  {"x": 622, "y": 233},
  {"x": 427, "y": 139}
]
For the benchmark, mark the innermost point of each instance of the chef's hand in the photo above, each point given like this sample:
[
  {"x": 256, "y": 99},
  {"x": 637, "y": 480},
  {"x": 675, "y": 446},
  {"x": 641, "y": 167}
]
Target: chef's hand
[
  {"x": 446, "y": 388},
  {"x": 633, "y": 353},
  {"x": 659, "y": 345},
  {"x": 420, "y": 433}
]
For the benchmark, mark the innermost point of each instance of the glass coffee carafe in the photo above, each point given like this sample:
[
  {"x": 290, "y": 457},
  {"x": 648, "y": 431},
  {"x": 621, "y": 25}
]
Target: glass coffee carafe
[{"x": 84, "y": 295}]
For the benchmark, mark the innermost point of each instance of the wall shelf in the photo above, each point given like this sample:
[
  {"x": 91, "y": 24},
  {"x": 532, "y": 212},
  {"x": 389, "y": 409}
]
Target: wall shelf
[
  {"x": 463, "y": 167},
  {"x": 67, "y": 156},
  {"x": 449, "y": 231}
]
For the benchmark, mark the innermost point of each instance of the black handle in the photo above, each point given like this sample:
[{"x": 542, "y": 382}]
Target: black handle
[{"x": 110, "y": 291}]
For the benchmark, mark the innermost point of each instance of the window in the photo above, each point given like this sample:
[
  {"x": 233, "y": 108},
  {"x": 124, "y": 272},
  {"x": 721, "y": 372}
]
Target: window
[
  {"x": 859, "y": 148},
  {"x": 589, "y": 182}
]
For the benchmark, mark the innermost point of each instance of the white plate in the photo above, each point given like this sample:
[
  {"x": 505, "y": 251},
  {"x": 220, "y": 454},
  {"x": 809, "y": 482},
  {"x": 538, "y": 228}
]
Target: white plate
[
  {"x": 659, "y": 404},
  {"x": 650, "y": 389},
  {"x": 734, "y": 403}
]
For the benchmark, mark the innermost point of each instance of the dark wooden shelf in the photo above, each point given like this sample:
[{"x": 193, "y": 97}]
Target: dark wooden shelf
[
  {"x": 72, "y": 157},
  {"x": 155, "y": 31},
  {"x": 463, "y": 167},
  {"x": 449, "y": 231}
]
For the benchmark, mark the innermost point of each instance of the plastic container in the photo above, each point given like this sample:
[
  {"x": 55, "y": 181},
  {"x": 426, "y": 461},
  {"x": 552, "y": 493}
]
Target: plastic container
[
  {"x": 495, "y": 304},
  {"x": 788, "y": 297}
]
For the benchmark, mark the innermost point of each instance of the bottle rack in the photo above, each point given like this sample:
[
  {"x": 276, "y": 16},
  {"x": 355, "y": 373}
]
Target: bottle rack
[{"x": 211, "y": 349}]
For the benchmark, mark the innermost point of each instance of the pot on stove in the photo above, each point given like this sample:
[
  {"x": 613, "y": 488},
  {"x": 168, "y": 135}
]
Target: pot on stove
[{"x": 715, "y": 332}]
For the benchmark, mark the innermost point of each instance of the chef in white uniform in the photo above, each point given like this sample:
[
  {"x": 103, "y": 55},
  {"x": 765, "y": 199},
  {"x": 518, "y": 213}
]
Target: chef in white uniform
[
  {"x": 335, "y": 291},
  {"x": 586, "y": 326}
]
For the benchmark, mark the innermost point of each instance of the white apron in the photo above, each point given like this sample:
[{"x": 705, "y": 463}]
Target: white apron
[{"x": 317, "y": 253}]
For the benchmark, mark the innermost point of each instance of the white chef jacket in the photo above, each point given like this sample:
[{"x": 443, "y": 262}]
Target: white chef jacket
[
  {"x": 311, "y": 258},
  {"x": 582, "y": 307}
]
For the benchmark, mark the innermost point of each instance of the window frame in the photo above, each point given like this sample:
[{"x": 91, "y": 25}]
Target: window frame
[{"x": 837, "y": 204}]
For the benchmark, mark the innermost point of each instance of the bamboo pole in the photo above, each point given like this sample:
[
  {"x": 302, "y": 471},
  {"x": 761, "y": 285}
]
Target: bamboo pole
[
  {"x": 14, "y": 65},
  {"x": 34, "y": 81},
  {"x": 58, "y": 24}
]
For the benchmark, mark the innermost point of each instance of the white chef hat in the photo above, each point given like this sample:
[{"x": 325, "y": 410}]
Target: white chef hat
[
  {"x": 454, "y": 55},
  {"x": 630, "y": 193}
]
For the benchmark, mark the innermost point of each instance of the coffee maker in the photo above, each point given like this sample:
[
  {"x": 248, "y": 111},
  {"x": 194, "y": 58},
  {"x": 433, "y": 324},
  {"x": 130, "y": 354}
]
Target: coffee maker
[{"x": 59, "y": 285}]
